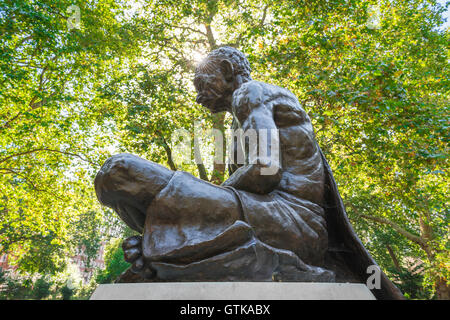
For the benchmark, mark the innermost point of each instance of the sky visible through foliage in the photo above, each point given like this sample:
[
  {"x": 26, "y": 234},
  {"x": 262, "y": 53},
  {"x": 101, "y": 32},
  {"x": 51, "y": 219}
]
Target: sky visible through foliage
[{"x": 121, "y": 81}]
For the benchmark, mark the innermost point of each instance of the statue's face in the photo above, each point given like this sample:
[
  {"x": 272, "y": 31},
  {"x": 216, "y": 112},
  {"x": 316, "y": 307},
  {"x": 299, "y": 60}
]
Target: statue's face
[{"x": 214, "y": 91}]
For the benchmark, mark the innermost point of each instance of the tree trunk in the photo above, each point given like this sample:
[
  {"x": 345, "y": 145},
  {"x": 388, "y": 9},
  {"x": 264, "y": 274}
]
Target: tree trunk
[
  {"x": 442, "y": 289},
  {"x": 218, "y": 173},
  {"x": 169, "y": 158},
  {"x": 394, "y": 258},
  {"x": 168, "y": 151},
  {"x": 202, "y": 171},
  {"x": 440, "y": 284},
  {"x": 199, "y": 161}
]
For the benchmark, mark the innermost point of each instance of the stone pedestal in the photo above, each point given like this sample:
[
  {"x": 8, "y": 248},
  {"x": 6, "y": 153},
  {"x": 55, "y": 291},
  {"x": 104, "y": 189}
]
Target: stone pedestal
[{"x": 232, "y": 291}]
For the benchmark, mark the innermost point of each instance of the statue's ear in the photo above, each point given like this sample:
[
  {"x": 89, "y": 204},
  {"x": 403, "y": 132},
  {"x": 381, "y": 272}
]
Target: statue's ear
[{"x": 227, "y": 69}]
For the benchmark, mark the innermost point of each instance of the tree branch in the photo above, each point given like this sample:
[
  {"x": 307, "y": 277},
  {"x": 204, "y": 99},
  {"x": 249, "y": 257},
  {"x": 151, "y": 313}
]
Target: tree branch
[
  {"x": 34, "y": 105},
  {"x": 209, "y": 32},
  {"x": 190, "y": 29},
  {"x": 396, "y": 227},
  {"x": 168, "y": 151},
  {"x": 27, "y": 180},
  {"x": 261, "y": 23},
  {"x": 394, "y": 258},
  {"x": 254, "y": 25},
  {"x": 48, "y": 150},
  {"x": 18, "y": 44},
  {"x": 198, "y": 160}
]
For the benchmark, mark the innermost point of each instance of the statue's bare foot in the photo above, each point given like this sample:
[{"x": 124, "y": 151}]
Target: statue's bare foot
[{"x": 132, "y": 249}]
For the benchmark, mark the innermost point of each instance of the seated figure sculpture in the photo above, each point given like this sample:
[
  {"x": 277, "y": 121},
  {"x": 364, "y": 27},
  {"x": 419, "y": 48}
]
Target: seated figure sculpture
[{"x": 289, "y": 225}]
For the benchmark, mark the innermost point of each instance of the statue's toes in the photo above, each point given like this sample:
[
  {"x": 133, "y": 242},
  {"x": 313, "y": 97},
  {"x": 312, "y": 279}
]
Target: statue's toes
[
  {"x": 131, "y": 242},
  {"x": 132, "y": 254},
  {"x": 138, "y": 265}
]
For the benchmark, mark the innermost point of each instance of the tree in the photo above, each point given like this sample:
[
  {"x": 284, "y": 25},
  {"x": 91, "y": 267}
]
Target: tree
[
  {"x": 158, "y": 91},
  {"x": 115, "y": 265},
  {"x": 376, "y": 90},
  {"x": 378, "y": 98},
  {"x": 51, "y": 143}
]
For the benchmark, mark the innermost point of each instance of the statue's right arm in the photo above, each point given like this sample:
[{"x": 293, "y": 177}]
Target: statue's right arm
[{"x": 263, "y": 173}]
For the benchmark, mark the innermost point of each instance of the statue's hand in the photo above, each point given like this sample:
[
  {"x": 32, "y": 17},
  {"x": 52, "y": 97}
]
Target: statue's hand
[
  {"x": 249, "y": 178},
  {"x": 132, "y": 250}
]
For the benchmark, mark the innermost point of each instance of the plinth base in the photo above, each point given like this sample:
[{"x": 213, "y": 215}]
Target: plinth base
[{"x": 232, "y": 291}]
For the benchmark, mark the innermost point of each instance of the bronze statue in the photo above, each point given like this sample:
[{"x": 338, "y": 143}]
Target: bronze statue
[{"x": 287, "y": 226}]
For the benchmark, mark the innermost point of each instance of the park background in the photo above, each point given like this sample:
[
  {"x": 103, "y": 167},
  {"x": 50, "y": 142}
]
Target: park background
[{"x": 79, "y": 84}]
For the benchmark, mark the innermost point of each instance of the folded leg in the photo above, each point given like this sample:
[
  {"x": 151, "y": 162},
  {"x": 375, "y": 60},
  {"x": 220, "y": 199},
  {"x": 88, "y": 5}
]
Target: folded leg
[
  {"x": 195, "y": 230},
  {"x": 128, "y": 184},
  {"x": 192, "y": 229}
]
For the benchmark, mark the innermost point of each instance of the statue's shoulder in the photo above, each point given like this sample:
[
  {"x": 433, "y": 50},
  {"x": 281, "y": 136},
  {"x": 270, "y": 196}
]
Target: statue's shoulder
[
  {"x": 281, "y": 102},
  {"x": 253, "y": 93},
  {"x": 249, "y": 94}
]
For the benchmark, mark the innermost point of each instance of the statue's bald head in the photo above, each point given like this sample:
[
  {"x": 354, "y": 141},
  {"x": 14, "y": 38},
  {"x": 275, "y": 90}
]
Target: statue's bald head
[
  {"x": 240, "y": 64},
  {"x": 216, "y": 78}
]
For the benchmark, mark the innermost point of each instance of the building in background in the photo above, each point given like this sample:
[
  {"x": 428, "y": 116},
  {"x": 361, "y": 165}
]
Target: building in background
[
  {"x": 4, "y": 265},
  {"x": 80, "y": 259}
]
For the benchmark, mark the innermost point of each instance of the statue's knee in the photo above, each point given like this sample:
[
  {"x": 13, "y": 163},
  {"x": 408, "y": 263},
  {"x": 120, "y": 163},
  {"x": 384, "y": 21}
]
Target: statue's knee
[
  {"x": 119, "y": 163},
  {"x": 113, "y": 171},
  {"x": 114, "y": 163},
  {"x": 130, "y": 176}
]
